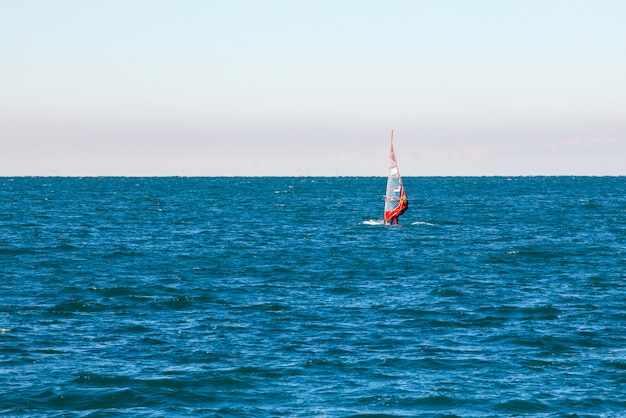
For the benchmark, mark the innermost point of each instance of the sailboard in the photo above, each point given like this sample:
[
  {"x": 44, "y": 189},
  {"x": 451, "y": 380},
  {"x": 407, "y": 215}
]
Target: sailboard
[{"x": 395, "y": 197}]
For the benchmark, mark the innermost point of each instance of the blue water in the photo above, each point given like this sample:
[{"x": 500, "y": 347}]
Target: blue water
[{"x": 279, "y": 297}]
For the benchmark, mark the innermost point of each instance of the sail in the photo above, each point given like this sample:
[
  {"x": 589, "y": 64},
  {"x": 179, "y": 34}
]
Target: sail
[{"x": 395, "y": 195}]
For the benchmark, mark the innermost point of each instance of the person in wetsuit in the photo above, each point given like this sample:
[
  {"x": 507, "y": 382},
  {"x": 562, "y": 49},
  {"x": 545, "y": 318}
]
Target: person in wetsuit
[{"x": 404, "y": 206}]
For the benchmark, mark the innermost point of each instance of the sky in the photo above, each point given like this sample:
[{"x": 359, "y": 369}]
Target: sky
[{"x": 312, "y": 88}]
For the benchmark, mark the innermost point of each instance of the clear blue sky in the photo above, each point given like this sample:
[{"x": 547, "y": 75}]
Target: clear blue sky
[{"x": 201, "y": 87}]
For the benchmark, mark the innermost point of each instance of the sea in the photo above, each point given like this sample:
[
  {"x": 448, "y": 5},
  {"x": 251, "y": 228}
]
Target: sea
[{"x": 288, "y": 297}]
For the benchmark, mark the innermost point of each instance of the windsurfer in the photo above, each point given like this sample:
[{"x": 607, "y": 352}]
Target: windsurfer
[
  {"x": 396, "y": 202},
  {"x": 404, "y": 206}
]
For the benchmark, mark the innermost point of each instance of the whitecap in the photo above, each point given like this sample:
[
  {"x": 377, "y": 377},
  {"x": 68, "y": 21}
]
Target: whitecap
[
  {"x": 374, "y": 222},
  {"x": 423, "y": 223}
]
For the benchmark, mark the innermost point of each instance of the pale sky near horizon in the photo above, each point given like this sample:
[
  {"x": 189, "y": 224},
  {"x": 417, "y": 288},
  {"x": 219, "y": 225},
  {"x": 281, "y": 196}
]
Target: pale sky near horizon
[{"x": 288, "y": 87}]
